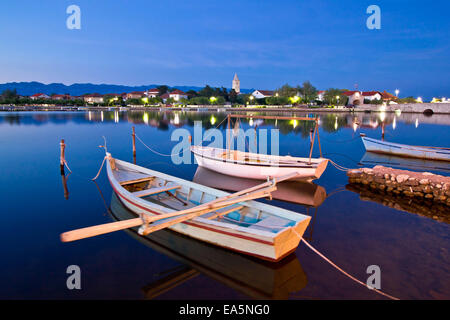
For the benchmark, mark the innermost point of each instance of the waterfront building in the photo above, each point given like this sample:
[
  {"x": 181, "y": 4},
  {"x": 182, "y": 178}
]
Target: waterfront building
[
  {"x": 152, "y": 93},
  {"x": 62, "y": 97},
  {"x": 372, "y": 95},
  {"x": 93, "y": 98},
  {"x": 354, "y": 97},
  {"x": 259, "y": 94},
  {"x": 320, "y": 95},
  {"x": 136, "y": 95},
  {"x": 39, "y": 96},
  {"x": 177, "y": 95}
]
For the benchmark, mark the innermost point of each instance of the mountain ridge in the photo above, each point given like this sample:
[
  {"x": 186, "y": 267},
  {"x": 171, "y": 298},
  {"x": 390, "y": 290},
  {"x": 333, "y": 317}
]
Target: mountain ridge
[{"x": 77, "y": 89}]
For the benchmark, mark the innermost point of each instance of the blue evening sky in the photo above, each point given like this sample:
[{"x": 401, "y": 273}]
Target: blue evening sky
[{"x": 198, "y": 42}]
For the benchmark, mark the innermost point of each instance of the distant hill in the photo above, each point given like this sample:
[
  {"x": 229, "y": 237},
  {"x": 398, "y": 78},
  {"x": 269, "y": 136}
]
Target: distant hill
[{"x": 77, "y": 89}]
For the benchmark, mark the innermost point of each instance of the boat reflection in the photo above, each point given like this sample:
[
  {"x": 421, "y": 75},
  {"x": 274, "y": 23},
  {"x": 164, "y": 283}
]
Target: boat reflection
[
  {"x": 299, "y": 192},
  {"x": 424, "y": 208},
  {"x": 254, "y": 278},
  {"x": 373, "y": 159}
]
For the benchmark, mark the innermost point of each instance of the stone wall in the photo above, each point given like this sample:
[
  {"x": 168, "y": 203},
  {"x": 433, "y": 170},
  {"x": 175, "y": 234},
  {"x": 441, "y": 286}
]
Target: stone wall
[
  {"x": 402, "y": 182},
  {"x": 410, "y": 107}
]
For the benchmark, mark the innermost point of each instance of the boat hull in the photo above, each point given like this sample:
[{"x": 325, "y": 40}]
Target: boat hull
[
  {"x": 402, "y": 150},
  {"x": 260, "y": 244},
  {"x": 259, "y": 171}
]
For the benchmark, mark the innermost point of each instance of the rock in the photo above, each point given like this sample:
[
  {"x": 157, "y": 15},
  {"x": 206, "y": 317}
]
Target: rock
[
  {"x": 386, "y": 176},
  {"x": 411, "y": 182},
  {"x": 429, "y": 196},
  {"x": 367, "y": 170},
  {"x": 424, "y": 182},
  {"x": 427, "y": 174},
  {"x": 402, "y": 177}
]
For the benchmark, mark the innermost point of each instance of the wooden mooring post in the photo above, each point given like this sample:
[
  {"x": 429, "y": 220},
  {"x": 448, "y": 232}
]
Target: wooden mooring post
[
  {"x": 133, "y": 136},
  {"x": 64, "y": 183},
  {"x": 62, "y": 157}
]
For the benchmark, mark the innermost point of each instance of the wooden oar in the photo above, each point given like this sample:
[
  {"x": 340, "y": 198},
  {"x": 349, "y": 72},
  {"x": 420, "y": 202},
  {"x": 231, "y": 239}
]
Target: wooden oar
[
  {"x": 167, "y": 224},
  {"x": 252, "y": 193}
]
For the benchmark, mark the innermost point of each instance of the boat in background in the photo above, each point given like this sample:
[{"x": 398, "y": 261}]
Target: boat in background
[
  {"x": 257, "y": 166},
  {"x": 260, "y": 166},
  {"x": 403, "y": 150},
  {"x": 299, "y": 192},
  {"x": 252, "y": 277}
]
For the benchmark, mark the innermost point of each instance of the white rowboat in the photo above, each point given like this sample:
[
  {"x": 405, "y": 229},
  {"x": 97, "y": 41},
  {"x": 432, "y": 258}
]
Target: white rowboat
[
  {"x": 257, "y": 166},
  {"x": 403, "y": 150},
  {"x": 248, "y": 227}
]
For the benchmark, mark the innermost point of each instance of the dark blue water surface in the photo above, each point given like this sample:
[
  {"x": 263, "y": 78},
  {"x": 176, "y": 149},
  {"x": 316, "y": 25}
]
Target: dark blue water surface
[{"x": 411, "y": 249}]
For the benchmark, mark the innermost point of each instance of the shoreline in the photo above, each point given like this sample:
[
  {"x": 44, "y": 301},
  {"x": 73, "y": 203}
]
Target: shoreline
[{"x": 420, "y": 108}]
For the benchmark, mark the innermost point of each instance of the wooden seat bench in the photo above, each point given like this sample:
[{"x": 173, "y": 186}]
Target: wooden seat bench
[{"x": 153, "y": 191}]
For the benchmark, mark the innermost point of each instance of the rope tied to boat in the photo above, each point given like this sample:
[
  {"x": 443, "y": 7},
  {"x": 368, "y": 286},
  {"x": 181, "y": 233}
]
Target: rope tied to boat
[
  {"x": 340, "y": 269},
  {"x": 338, "y": 166},
  {"x": 182, "y": 150}
]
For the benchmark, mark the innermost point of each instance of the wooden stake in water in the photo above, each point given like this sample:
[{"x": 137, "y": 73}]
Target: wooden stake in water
[
  {"x": 133, "y": 135},
  {"x": 62, "y": 158},
  {"x": 64, "y": 183}
]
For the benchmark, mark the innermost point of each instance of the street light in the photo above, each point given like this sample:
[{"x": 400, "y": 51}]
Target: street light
[
  {"x": 397, "y": 92},
  {"x": 337, "y": 98},
  {"x": 213, "y": 99}
]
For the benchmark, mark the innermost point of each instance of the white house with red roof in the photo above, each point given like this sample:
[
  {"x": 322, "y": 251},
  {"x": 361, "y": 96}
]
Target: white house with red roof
[
  {"x": 39, "y": 96},
  {"x": 152, "y": 93},
  {"x": 372, "y": 95},
  {"x": 177, "y": 95},
  {"x": 259, "y": 94},
  {"x": 320, "y": 95},
  {"x": 354, "y": 97}
]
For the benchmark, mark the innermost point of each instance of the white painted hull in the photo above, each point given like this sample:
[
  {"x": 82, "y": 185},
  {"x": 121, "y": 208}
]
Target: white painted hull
[
  {"x": 262, "y": 244},
  {"x": 402, "y": 150},
  {"x": 268, "y": 167}
]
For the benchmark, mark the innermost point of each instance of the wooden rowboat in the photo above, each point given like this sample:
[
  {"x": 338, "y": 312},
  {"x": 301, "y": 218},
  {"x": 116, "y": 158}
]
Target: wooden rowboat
[
  {"x": 403, "y": 150},
  {"x": 253, "y": 277},
  {"x": 257, "y": 166},
  {"x": 238, "y": 224}
]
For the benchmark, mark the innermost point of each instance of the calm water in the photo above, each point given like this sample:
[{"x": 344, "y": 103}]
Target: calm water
[{"x": 411, "y": 249}]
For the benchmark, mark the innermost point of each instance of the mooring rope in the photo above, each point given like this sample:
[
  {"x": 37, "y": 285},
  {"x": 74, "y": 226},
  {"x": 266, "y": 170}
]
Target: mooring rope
[
  {"x": 182, "y": 150},
  {"x": 100, "y": 170},
  {"x": 339, "y": 167},
  {"x": 67, "y": 166},
  {"x": 341, "y": 270}
]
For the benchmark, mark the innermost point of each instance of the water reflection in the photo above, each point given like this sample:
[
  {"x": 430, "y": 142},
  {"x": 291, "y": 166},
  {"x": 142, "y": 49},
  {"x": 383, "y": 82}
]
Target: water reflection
[
  {"x": 299, "y": 192},
  {"x": 425, "y": 208},
  {"x": 329, "y": 122},
  {"x": 372, "y": 159},
  {"x": 254, "y": 278}
]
